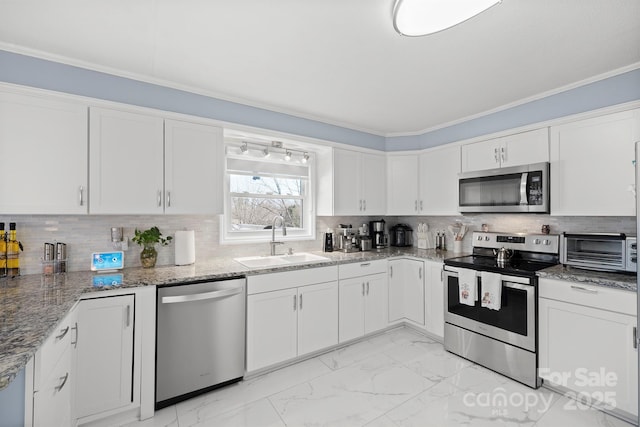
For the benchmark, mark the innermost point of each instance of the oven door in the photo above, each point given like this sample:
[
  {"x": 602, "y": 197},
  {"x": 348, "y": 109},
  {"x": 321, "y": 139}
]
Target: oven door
[{"x": 514, "y": 323}]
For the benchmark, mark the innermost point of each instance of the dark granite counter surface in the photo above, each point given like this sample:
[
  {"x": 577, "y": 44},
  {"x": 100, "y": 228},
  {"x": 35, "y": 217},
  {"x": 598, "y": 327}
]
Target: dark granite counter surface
[
  {"x": 622, "y": 281},
  {"x": 32, "y": 306}
]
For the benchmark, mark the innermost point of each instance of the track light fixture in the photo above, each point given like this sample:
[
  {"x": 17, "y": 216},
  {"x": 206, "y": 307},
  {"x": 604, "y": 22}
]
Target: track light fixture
[{"x": 288, "y": 154}]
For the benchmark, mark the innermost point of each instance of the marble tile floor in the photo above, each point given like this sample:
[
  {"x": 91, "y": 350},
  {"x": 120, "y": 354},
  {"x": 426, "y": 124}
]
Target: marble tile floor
[{"x": 398, "y": 378}]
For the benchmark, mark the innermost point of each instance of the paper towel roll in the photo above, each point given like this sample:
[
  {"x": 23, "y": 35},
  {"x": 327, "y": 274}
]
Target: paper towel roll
[{"x": 185, "y": 244}]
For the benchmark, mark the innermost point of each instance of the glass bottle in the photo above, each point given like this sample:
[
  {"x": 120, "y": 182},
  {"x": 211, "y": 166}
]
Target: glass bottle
[
  {"x": 3, "y": 250},
  {"x": 13, "y": 248}
]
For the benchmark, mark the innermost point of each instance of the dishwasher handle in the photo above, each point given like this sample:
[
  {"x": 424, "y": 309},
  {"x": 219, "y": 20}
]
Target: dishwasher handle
[{"x": 203, "y": 296}]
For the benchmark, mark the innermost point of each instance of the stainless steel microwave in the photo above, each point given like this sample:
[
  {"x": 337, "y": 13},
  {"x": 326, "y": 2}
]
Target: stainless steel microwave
[{"x": 513, "y": 189}]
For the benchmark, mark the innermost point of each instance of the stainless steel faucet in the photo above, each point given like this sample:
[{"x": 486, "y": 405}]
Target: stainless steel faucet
[{"x": 273, "y": 233}]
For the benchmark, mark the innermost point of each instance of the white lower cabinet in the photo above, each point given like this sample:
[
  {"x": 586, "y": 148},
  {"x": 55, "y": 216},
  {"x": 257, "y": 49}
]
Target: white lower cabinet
[
  {"x": 406, "y": 290},
  {"x": 104, "y": 355},
  {"x": 364, "y": 299},
  {"x": 285, "y": 320},
  {"x": 434, "y": 298},
  {"x": 53, "y": 377},
  {"x": 587, "y": 344}
]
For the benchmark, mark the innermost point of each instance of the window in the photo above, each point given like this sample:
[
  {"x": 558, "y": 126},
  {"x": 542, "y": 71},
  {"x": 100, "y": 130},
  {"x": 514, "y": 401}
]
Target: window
[{"x": 258, "y": 189}]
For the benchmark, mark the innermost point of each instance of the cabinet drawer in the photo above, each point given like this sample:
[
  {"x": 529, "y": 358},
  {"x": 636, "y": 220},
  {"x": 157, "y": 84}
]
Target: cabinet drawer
[
  {"x": 53, "y": 348},
  {"x": 601, "y": 297},
  {"x": 290, "y": 279},
  {"x": 357, "y": 269},
  {"x": 52, "y": 398}
]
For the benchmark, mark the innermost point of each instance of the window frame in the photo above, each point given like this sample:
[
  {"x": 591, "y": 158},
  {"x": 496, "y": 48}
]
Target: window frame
[{"x": 307, "y": 232}]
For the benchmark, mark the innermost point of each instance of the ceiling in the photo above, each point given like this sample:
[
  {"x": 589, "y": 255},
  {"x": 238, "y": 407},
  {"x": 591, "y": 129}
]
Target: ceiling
[{"x": 336, "y": 61}]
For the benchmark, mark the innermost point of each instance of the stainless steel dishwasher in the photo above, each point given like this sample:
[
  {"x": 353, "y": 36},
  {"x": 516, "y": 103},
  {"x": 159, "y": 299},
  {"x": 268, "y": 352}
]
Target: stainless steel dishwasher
[{"x": 200, "y": 338}]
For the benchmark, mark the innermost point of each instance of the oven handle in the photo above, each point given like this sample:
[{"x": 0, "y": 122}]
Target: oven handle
[{"x": 511, "y": 279}]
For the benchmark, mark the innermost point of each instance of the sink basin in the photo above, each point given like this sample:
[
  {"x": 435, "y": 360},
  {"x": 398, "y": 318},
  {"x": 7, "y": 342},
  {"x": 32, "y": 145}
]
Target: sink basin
[{"x": 280, "y": 260}]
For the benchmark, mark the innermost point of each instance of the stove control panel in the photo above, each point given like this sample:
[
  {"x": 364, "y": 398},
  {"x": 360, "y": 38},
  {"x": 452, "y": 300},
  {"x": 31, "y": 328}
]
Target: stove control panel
[{"x": 546, "y": 243}]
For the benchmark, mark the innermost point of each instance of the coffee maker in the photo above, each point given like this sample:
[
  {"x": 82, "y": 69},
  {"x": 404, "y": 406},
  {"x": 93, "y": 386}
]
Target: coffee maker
[{"x": 378, "y": 235}]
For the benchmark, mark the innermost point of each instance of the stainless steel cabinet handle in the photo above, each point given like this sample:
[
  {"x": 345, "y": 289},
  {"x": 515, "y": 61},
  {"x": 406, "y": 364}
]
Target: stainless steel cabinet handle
[
  {"x": 442, "y": 274},
  {"x": 81, "y": 195},
  {"x": 159, "y": 198},
  {"x": 168, "y": 199},
  {"x": 421, "y": 206},
  {"x": 360, "y": 204},
  {"x": 391, "y": 270},
  {"x": 202, "y": 296},
  {"x": 365, "y": 264},
  {"x": 64, "y": 381},
  {"x": 63, "y": 332},
  {"x": 635, "y": 337},
  {"x": 581, "y": 289},
  {"x": 420, "y": 273},
  {"x": 300, "y": 301},
  {"x": 75, "y": 343},
  {"x": 415, "y": 207},
  {"x": 362, "y": 288},
  {"x": 495, "y": 155},
  {"x": 295, "y": 302},
  {"x": 367, "y": 288},
  {"x": 128, "y": 315},
  {"x": 503, "y": 154}
]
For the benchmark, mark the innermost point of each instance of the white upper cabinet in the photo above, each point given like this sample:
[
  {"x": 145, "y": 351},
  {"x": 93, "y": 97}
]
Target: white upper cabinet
[
  {"x": 424, "y": 184},
  {"x": 402, "y": 181},
  {"x": 194, "y": 155},
  {"x": 144, "y": 164},
  {"x": 43, "y": 150},
  {"x": 126, "y": 162},
  {"x": 359, "y": 183},
  {"x": 438, "y": 184},
  {"x": 592, "y": 171},
  {"x": 512, "y": 150}
]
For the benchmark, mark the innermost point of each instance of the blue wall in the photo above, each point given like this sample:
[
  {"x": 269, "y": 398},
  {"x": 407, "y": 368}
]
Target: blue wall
[
  {"x": 40, "y": 73},
  {"x": 603, "y": 93},
  {"x": 12, "y": 403}
]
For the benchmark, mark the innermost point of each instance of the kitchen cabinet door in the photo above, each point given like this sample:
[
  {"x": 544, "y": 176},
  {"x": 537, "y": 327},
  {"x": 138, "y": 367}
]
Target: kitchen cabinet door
[
  {"x": 347, "y": 182},
  {"x": 104, "y": 354},
  {"x": 376, "y": 316},
  {"x": 414, "y": 291},
  {"x": 317, "y": 317},
  {"x": 44, "y": 149},
  {"x": 271, "y": 328},
  {"x": 434, "y": 298},
  {"x": 351, "y": 311},
  {"x": 583, "y": 343},
  {"x": 511, "y": 150},
  {"x": 126, "y": 158},
  {"x": 402, "y": 182},
  {"x": 396, "y": 289},
  {"x": 52, "y": 400},
  {"x": 374, "y": 184},
  {"x": 438, "y": 181},
  {"x": 193, "y": 168},
  {"x": 592, "y": 171}
]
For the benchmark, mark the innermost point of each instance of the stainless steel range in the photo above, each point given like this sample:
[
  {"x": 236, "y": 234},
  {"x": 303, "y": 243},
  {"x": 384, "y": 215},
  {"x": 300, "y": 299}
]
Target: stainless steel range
[{"x": 495, "y": 323}]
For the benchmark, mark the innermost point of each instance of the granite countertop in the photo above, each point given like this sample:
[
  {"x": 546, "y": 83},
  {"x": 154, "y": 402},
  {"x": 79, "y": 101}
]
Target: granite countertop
[
  {"x": 600, "y": 278},
  {"x": 32, "y": 306}
]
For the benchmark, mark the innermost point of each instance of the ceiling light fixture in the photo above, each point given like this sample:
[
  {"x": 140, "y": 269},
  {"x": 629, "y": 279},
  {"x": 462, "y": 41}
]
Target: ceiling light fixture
[
  {"x": 305, "y": 157},
  {"x": 423, "y": 17},
  {"x": 287, "y": 155}
]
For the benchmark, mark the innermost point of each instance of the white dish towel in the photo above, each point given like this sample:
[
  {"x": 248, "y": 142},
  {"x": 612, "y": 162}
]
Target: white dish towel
[
  {"x": 491, "y": 290},
  {"x": 467, "y": 286}
]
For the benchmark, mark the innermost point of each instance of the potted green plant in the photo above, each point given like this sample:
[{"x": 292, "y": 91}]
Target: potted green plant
[{"x": 148, "y": 239}]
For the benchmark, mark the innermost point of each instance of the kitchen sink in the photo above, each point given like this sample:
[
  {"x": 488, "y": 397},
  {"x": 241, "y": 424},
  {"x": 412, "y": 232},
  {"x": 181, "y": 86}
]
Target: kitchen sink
[{"x": 280, "y": 260}]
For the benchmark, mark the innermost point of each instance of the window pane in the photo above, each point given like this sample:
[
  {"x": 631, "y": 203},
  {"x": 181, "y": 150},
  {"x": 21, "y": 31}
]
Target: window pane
[
  {"x": 266, "y": 185},
  {"x": 252, "y": 214}
]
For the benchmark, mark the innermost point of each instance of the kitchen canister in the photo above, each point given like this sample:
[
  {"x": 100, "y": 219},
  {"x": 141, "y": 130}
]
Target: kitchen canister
[{"x": 185, "y": 247}]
